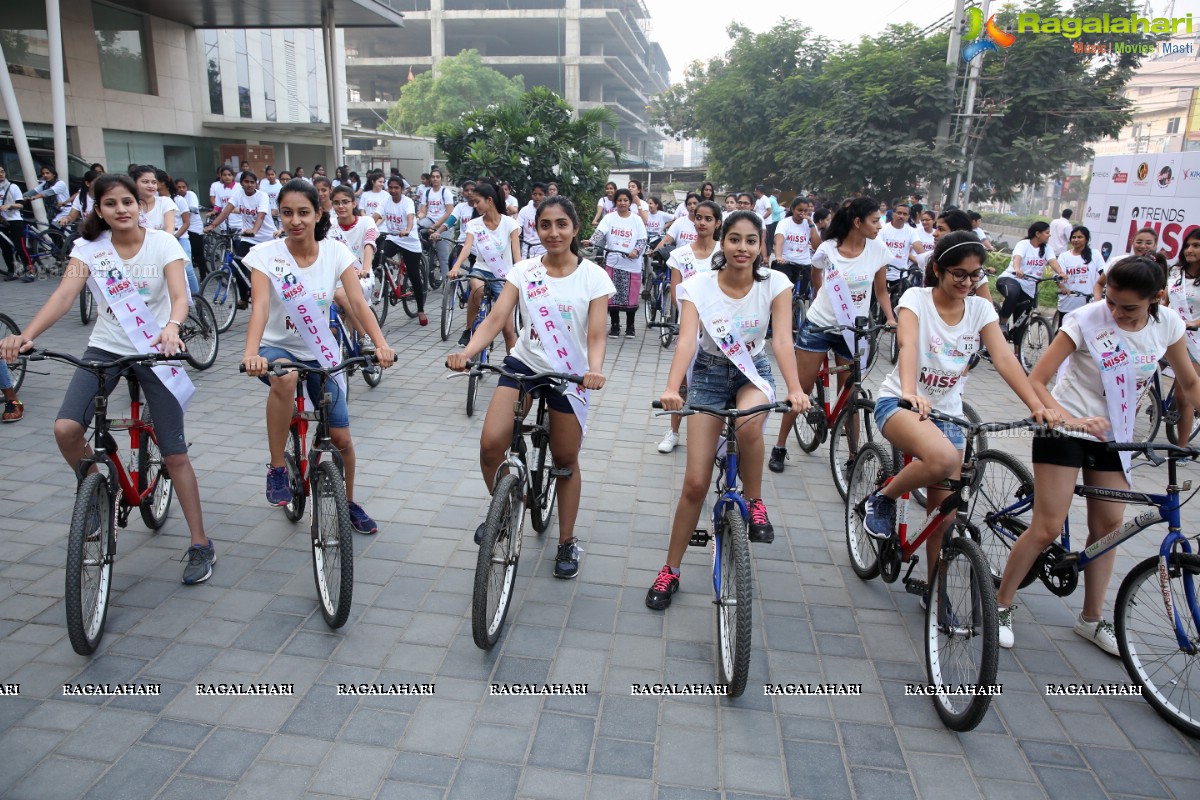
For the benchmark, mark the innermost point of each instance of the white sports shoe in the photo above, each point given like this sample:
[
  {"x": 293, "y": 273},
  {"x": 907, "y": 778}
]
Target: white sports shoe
[
  {"x": 668, "y": 442},
  {"x": 365, "y": 345},
  {"x": 1006, "y": 626},
  {"x": 1099, "y": 633}
]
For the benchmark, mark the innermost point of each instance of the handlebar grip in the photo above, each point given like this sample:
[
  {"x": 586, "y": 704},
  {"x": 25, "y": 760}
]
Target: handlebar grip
[
  {"x": 907, "y": 406},
  {"x": 241, "y": 368},
  {"x": 656, "y": 404}
]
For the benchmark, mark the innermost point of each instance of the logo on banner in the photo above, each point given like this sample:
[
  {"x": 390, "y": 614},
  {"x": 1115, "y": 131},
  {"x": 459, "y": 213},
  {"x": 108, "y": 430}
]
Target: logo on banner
[
  {"x": 1119, "y": 177},
  {"x": 1190, "y": 175},
  {"x": 1165, "y": 177},
  {"x": 1142, "y": 171},
  {"x": 1113, "y": 211},
  {"x": 1092, "y": 214}
]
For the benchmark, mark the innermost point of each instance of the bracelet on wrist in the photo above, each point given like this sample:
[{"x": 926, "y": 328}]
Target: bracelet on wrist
[{"x": 174, "y": 322}]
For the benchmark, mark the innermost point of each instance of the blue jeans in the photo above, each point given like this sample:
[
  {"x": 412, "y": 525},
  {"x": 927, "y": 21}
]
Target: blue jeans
[
  {"x": 886, "y": 407},
  {"x": 6, "y": 381},
  {"x": 338, "y": 412},
  {"x": 188, "y": 269},
  {"x": 716, "y": 381}
]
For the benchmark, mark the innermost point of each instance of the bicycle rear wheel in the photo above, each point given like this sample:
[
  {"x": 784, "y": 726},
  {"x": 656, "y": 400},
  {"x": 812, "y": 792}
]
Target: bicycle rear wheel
[
  {"x": 17, "y": 368},
  {"x": 332, "y": 544},
  {"x": 379, "y": 295},
  {"x": 852, "y": 429},
  {"x": 407, "y": 299},
  {"x": 472, "y": 392},
  {"x": 1000, "y": 482},
  {"x": 650, "y": 308},
  {"x": 87, "y": 305},
  {"x": 872, "y": 468},
  {"x": 811, "y": 428},
  {"x": 496, "y": 564},
  {"x": 543, "y": 486},
  {"x": 667, "y": 335},
  {"x": 222, "y": 294},
  {"x": 1146, "y": 638},
  {"x": 433, "y": 273},
  {"x": 448, "y": 302},
  {"x": 1035, "y": 341},
  {"x": 1147, "y": 416},
  {"x": 292, "y": 449},
  {"x": 153, "y": 474},
  {"x": 90, "y": 549},
  {"x": 199, "y": 334},
  {"x": 734, "y": 599}
]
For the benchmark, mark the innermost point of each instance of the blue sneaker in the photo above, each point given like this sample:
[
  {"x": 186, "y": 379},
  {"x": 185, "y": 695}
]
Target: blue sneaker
[
  {"x": 479, "y": 533},
  {"x": 279, "y": 490},
  {"x": 200, "y": 559},
  {"x": 360, "y": 520},
  {"x": 881, "y": 510}
]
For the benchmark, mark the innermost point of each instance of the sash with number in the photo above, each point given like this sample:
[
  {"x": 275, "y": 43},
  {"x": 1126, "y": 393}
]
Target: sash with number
[
  {"x": 1178, "y": 295},
  {"x": 303, "y": 311},
  {"x": 714, "y": 315},
  {"x": 1108, "y": 347},
  {"x": 551, "y": 324},
  {"x": 843, "y": 305},
  {"x": 686, "y": 259},
  {"x": 492, "y": 255},
  {"x": 111, "y": 284}
]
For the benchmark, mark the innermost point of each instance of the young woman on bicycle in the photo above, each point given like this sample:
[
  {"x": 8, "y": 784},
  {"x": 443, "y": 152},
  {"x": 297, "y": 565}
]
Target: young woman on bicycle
[
  {"x": 683, "y": 230},
  {"x": 158, "y": 212},
  {"x": 308, "y": 259},
  {"x": 1098, "y": 406},
  {"x": 358, "y": 233},
  {"x": 607, "y": 204},
  {"x": 1183, "y": 295},
  {"x": 624, "y": 235},
  {"x": 494, "y": 238},
  {"x": 940, "y": 327},
  {"x": 1144, "y": 243},
  {"x": 220, "y": 190},
  {"x": 685, "y": 262},
  {"x": 142, "y": 269},
  {"x": 12, "y": 246},
  {"x": 741, "y": 293},
  {"x": 1081, "y": 267},
  {"x": 579, "y": 290},
  {"x": 853, "y": 253},
  {"x": 657, "y": 221},
  {"x": 1031, "y": 258},
  {"x": 795, "y": 240},
  {"x": 397, "y": 218}
]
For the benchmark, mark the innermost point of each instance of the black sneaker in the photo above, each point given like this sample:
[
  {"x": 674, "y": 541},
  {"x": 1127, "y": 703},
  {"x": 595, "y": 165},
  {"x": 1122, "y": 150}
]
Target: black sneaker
[
  {"x": 614, "y": 331},
  {"x": 464, "y": 339},
  {"x": 200, "y": 559},
  {"x": 761, "y": 529},
  {"x": 666, "y": 583},
  {"x": 566, "y": 562},
  {"x": 479, "y": 533},
  {"x": 630, "y": 332},
  {"x": 778, "y": 456}
]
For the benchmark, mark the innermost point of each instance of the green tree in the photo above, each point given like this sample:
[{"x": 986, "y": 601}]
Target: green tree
[
  {"x": 534, "y": 138},
  {"x": 461, "y": 83}
]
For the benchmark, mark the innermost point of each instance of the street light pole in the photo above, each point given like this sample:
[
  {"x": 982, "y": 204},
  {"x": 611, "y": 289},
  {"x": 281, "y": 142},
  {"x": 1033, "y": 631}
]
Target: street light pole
[
  {"x": 969, "y": 110},
  {"x": 952, "y": 55}
]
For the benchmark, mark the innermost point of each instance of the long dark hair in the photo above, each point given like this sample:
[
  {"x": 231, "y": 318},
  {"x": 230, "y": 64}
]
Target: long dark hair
[
  {"x": 1194, "y": 233},
  {"x": 301, "y": 186},
  {"x": 1034, "y": 230},
  {"x": 1087, "y": 242},
  {"x": 93, "y": 225},
  {"x": 718, "y": 261},
  {"x": 859, "y": 208},
  {"x": 1142, "y": 274},
  {"x": 569, "y": 209},
  {"x": 956, "y": 220},
  {"x": 487, "y": 187},
  {"x": 347, "y": 190},
  {"x": 161, "y": 176},
  {"x": 708, "y": 185},
  {"x": 964, "y": 243}
]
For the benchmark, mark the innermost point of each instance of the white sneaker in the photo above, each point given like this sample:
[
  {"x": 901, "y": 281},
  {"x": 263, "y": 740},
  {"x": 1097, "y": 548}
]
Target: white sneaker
[
  {"x": 365, "y": 345},
  {"x": 668, "y": 442},
  {"x": 1099, "y": 633},
  {"x": 1006, "y": 626}
]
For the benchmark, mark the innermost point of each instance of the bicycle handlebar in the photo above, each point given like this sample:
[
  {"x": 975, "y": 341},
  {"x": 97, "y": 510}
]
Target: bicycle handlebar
[
  {"x": 864, "y": 331},
  {"x": 726, "y": 413},
  {"x": 281, "y": 368},
  {"x": 145, "y": 359},
  {"x": 477, "y": 368},
  {"x": 977, "y": 427},
  {"x": 1148, "y": 447}
]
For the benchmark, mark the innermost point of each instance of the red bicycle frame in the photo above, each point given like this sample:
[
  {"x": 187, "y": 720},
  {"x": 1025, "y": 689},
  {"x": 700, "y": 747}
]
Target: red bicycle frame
[
  {"x": 127, "y": 478},
  {"x": 831, "y": 413},
  {"x": 932, "y": 523}
]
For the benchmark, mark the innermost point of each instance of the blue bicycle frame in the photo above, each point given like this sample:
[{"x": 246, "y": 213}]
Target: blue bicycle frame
[{"x": 726, "y": 497}]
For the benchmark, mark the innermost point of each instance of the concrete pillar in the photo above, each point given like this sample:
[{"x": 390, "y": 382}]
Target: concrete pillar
[
  {"x": 19, "y": 140},
  {"x": 437, "y": 32},
  {"x": 329, "y": 41},
  {"x": 58, "y": 89}
]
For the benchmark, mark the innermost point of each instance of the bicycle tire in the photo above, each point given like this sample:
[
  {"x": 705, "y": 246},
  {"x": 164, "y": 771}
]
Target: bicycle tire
[
  {"x": 292, "y": 448},
  {"x": 1035, "y": 340},
  {"x": 91, "y": 545},
  {"x": 17, "y": 368},
  {"x": 448, "y": 293},
  {"x": 472, "y": 392},
  {"x": 962, "y": 633},
  {"x": 408, "y": 300},
  {"x": 433, "y": 272},
  {"x": 841, "y": 450},
  {"x": 332, "y": 544},
  {"x": 811, "y": 432},
  {"x": 152, "y": 472},
  {"x": 379, "y": 295},
  {"x": 1150, "y": 652},
  {"x": 872, "y": 468},
  {"x": 496, "y": 564},
  {"x": 666, "y": 335},
  {"x": 87, "y": 306},
  {"x": 199, "y": 334},
  {"x": 734, "y": 602},
  {"x": 1147, "y": 416},
  {"x": 653, "y": 304},
  {"x": 1000, "y": 480},
  {"x": 543, "y": 486},
  {"x": 221, "y": 293}
]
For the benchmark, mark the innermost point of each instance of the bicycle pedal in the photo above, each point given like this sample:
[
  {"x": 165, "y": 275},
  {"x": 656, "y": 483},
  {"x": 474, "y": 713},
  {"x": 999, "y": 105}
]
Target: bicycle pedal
[
  {"x": 561, "y": 472},
  {"x": 915, "y": 586},
  {"x": 700, "y": 538}
]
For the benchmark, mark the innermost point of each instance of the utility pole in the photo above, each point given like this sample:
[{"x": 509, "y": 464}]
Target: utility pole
[
  {"x": 952, "y": 55},
  {"x": 968, "y": 115}
]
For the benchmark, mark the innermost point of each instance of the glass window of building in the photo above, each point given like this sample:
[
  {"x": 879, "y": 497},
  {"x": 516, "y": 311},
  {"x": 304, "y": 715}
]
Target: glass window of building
[
  {"x": 314, "y": 107},
  {"x": 212, "y": 60},
  {"x": 268, "y": 66},
  {"x": 124, "y": 56},
  {"x": 23, "y": 37},
  {"x": 243, "y": 74}
]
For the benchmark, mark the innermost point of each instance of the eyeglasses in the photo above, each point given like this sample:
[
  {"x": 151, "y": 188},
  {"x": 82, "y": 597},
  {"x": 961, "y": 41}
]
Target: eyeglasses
[{"x": 960, "y": 276}]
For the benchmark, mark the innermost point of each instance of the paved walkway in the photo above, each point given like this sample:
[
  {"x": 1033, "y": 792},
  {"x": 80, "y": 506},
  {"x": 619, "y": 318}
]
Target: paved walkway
[{"x": 256, "y": 621}]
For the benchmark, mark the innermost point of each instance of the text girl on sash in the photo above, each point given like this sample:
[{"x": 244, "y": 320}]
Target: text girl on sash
[
  {"x": 686, "y": 262},
  {"x": 1081, "y": 267},
  {"x": 852, "y": 262},
  {"x": 941, "y": 325},
  {"x": 307, "y": 257},
  {"x": 578, "y": 289},
  {"x": 359, "y": 234},
  {"x": 624, "y": 235},
  {"x": 741, "y": 293},
  {"x": 397, "y": 218},
  {"x": 1183, "y": 294},
  {"x": 494, "y": 239},
  {"x": 150, "y": 265},
  {"x": 1128, "y": 322},
  {"x": 606, "y": 204}
]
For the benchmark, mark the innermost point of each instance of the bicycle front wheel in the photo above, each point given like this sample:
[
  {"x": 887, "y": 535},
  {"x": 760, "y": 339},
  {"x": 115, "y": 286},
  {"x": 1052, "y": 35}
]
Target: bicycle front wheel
[
  {"x": 472, "y": 392},
  {"x": 1148, "y": 416},
  {"x": 543, "y": 486},
  {"x": 852, "y": 429},
  {"x": 408, "y": 299},
  {"x": 667, "y": 335},
  {"x": 650, "y": 308},
  {"x": 87, "y": 305},
  {"x": 292, "y": 449},
  {"x": 221, "y": 293},
  {"x": 734, "y": 597},
  {"x": 448, "y": 293},
  {"x": 496, "y": 564},
  {"x": 379, "y": 295},
  {"x": 1146, "y": 638},
  {"x": 962, "y": 644},
  {"x": 199, "y": 334},
  {"x": 1035, "y": 341},
  {"x": 90, "y": 549},
  {"x": 1001, "y": 482},
  {"x": 872, "y": 468},
  {"x": 17, "y": 368},
  {"x": 332, "y": 544},
  {"x": 152, "y": 475}
]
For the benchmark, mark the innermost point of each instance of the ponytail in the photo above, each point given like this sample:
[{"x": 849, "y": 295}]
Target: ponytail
[{"x": 860, "y": 208}]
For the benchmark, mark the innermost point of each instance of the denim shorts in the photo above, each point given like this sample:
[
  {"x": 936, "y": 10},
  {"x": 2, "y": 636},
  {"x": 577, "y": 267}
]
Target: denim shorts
[
  {"x": 492, "y": 289},
  {"x": 555, "y": 400},
  {"x": 818, "y": 342},
  {"x": 339, "y": 413},
  {"x": 886, "y": 406},
  {"x": 716, "y": 381}
]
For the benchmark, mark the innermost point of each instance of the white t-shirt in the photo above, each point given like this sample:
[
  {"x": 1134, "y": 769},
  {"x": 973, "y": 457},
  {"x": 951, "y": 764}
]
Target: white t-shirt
[
  {"x": 195, "y": 224},
  {"x": 527, "y": 217},
  {"x": 1081, "y": 276},
  {"x": 623, "y": 234},
  {"x": 982, "y": 234},
  {"x": 249, "y": 207},
  {"x": 10, "y": 195},
  {"x": 656, "y": 223},
  {"x": 271, "y": 190},
  {"x": 750, "y": 314},
  {"x": 1060, "y": 235},
  {"x": 674, "y": 261},
  {"x": 319, "y": 281},
  {"x": 371, "y": 202},
  {"x": 943, "y": 350},
  {"x": 462, "y": 213},
  {"x": 797, "y": 247},
  {"x": 510, "y": 202},
  {"x": 59, "y": 190},
  {"x": 682, "y": 231},
  {"x": 153, "y": 218},
  {"x": 181, "y": 208},
  {"x": 925, "y": 238},
  {"x": 77, "y": 204},
  {"x": 1032, "y": 264},
  {"x": 361, "y": 234},
  {"x": 681, "y": 211},
  {"x": 1080, "y": 390},
  {"x": 436, "y": 201},
  {"x": 1192, "y": 293},
  {"x": 573, "y": 294},
  {"x": 899, "y": 242},
  {"x": 146, "y": 270},
  {"x": 395, "y": 219},
  {"x": 500, "y": 239},
  {"x": 860, "y": 276},
  {"x": 762, "y": 206},
  {"x": 221, "y": 193},
  {"x": 606, "y": 205}
]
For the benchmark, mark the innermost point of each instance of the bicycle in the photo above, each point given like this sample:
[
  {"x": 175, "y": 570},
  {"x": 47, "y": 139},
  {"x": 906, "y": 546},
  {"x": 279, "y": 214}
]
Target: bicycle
[
  {"x": 515, "y": 485},
  {"x": 429, "y": 260},
  {"x": 200, "y": 334},
  {"x": 392, "y": 285},
  {"x": 348, "y": 342},
  {"x": 910, "y": 277},
  {"x": 108, "y": 490},
  {"x": 961, "y": 621},
  {"x": 485, "y": 308},
  {"x": 1028, "y": 331},
  {"x": 46, "y": 246},
  {"x": 1160, "y": 657},
  {"x": 456, "y": 292},
  {"x": 732, "y": 582},
  {"x": 220, "y": 288},
  {"x": 1154, "y": 407},
  {"x": 320, "y": 473},
  {"x": 16, "y": 368},
  {"x": 849, "y": 418},
  {"x": 659, "y": 310}
]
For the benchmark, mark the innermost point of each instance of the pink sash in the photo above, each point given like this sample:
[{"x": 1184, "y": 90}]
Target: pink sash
[
  {"x": 551, "y": 324},
  {"x": 492, "y": 256},
  {"x": 710, "y": 304},
  {"x": 843, "y": 306},
  {"x": 1108, "y": 347},
  {"x": 129, "y": 308},
  {"x": 305, "y": 315}
]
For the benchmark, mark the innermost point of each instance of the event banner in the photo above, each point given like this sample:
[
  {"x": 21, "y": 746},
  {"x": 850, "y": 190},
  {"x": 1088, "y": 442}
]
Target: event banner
[{"x": 1145, "y": 190}]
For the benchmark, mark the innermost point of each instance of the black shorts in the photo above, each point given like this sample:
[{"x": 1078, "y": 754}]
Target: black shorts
[
  {"x": 1071, "y": 451},
  {"x": 556, "y": 400}
]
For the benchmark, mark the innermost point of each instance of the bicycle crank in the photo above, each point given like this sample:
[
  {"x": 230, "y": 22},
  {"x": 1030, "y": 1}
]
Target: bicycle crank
[
  {"x": 1058, "y": 570},
  {"x": 889, "y": 560}
]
